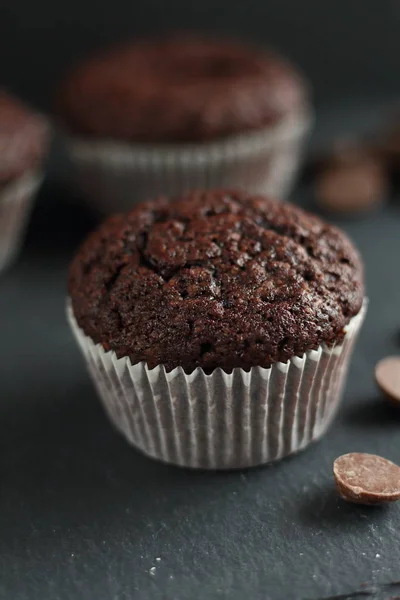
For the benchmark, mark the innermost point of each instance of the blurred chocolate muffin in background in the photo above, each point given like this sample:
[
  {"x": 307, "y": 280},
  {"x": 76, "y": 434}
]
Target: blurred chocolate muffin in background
[
  {"x": 179, "y": 112},
  {"x": 24, "y": 143}
]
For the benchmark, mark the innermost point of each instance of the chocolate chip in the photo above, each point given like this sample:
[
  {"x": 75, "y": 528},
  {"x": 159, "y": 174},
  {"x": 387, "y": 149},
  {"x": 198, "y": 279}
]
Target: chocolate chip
[
  {"x": 351, "y": 183},
  {"x": 387, "y": 375},
  {"x": 366, "y": 478}
]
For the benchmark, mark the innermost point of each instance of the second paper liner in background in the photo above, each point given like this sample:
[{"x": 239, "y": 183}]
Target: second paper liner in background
[
  {"x": 16, "y": 200},
  {"x": 221, "y": 421},
  {"x": 113, "y": 176}
]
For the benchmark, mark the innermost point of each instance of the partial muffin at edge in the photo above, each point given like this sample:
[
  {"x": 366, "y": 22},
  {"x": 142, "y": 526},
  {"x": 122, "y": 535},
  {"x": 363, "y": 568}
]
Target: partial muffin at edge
[{"x": 23, "y": 138}]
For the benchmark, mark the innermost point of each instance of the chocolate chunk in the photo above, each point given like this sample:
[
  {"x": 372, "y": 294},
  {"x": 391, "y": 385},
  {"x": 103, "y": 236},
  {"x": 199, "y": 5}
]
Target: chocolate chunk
[
  {"x": 351, "y": 183},
  {"x": 387, "y": 374},
  {"x": 366, "y": 478}
]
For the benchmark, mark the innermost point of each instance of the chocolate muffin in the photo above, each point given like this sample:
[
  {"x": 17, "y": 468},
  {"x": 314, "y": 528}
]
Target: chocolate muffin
[
  {"x": 144, "y": 103},
  {"x": 24, "y": 140},
  {"x": 221, "y": 282},
  {"x": 179, "y": 89},
  {"x": 215, "y": 279}
]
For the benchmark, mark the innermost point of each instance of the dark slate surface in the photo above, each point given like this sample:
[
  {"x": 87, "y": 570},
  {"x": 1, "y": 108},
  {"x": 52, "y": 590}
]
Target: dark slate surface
[{"x": 85, "y": 517}]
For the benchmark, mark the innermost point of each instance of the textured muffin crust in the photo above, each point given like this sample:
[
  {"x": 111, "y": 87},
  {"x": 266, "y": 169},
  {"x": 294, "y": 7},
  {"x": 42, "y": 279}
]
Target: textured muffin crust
[
  {"x": 23, "y": 138},
  {"x": 178, "y": 89},
  {"x": 215, "y": 279}
]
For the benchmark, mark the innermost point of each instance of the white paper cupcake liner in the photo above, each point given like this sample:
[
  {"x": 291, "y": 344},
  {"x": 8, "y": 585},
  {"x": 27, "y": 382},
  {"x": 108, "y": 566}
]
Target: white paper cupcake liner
[
  {"x": 16, "y": 200},
  {"x": 221, "y": 421},
  {"x": 113, "y": 176}
]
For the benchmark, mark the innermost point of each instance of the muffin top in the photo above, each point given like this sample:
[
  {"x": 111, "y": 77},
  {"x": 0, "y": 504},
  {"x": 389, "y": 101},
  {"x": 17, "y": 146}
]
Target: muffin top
[
  {"x": 179, "y": 89},
  {"x": 215, "y": 279},
  {"x": 23, "y": 138}
]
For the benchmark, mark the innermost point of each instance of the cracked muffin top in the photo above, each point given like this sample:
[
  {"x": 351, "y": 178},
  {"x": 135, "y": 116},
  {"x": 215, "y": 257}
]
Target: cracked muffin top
[
  {"x": 23, "y": 138},
  {"x": 179, "y": 88},
  {"x": 215, "y": 279}
]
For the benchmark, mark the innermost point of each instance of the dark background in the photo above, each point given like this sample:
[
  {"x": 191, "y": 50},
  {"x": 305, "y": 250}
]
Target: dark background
[
  {"x": 348, "y": 48},
  {"x": 82, "y": 515}
]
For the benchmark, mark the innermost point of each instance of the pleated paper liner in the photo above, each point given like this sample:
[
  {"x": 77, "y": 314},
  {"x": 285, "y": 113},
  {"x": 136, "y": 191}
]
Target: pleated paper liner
[
  {"x": 16, "y": 200},
  {"x": 221, "y": 421},
  {"x": 113, "y": 176}
]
